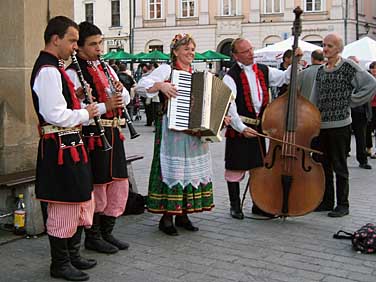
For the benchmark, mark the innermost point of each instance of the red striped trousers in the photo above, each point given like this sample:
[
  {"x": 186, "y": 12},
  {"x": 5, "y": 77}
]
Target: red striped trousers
[{"x": 64, "y": 218}]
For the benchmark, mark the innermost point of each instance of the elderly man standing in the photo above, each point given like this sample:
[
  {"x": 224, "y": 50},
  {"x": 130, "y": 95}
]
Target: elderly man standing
[{"x": 339, "y": 85}]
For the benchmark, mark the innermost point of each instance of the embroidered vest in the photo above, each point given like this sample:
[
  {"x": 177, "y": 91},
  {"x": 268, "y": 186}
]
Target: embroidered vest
[
  {"x": 243, "y": 99},
  {"x": 46, "y": 59},
  {"x": 98, "y": 82},
  {"x": 64, "y": 142}
]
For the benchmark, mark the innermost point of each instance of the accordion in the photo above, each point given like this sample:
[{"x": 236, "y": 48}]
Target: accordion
[{"x": 201, "y": 104}]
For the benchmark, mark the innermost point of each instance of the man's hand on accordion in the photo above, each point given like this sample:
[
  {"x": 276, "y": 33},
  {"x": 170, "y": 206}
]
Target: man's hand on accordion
[{"x": 249, "y": 132}]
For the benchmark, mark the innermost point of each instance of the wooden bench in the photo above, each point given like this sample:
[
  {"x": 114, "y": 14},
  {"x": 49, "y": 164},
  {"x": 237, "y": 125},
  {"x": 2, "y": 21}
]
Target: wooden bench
[
  {"x": 131, "y": 178},
  {"x": 28, "y": 176},
  {"x": 13, "y": 184},
  {"x": 13, "y": 179}
]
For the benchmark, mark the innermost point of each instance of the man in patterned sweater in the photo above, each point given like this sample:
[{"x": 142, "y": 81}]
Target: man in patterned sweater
[{"x": 339, "y": 85}]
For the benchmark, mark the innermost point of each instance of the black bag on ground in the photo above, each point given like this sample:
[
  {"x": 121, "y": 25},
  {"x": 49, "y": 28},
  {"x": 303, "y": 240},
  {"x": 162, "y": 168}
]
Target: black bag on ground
[
  {"x": 363, "y": 239},
  {"x": 135, "y": 204}
]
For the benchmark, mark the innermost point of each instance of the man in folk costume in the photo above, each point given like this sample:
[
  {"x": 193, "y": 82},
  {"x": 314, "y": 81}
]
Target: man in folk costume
[
  {"x": 250, "y": 83},
  {"x": 63, "y": 174},
  {"x": 109, "y": 168}
]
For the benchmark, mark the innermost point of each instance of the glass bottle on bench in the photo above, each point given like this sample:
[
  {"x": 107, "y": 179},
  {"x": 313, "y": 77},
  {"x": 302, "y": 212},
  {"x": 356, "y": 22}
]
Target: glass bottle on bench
[{"x": 20, "y": 216}]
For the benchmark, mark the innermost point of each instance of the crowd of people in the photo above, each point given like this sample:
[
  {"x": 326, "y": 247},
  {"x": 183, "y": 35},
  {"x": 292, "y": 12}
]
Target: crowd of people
[{"x": 84, "y": 186}]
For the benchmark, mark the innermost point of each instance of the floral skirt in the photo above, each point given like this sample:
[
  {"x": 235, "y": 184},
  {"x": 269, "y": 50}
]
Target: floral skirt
[{"x": 176, "y": 199}]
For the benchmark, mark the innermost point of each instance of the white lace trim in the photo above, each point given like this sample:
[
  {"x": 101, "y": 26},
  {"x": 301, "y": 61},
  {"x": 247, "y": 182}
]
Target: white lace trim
[{"x": 194, "y": 171}]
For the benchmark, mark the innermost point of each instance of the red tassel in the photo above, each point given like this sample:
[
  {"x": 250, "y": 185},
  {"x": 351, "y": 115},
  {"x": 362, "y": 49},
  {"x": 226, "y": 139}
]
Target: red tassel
[
  {"x": 74, "y": 154},
  {"x": 91, "y": 143},
  {"x": 60, "y": 159},
  {"x": 99, "y": 142},
  {"x": 49, "y": 136},
  {"x": 84, "y": 154},
  {"x": 121, "y": 136}
]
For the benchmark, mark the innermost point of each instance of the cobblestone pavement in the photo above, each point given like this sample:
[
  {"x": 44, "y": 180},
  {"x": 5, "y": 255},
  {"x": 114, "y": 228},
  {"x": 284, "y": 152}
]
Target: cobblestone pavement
[{"x": 225, "y": 249}]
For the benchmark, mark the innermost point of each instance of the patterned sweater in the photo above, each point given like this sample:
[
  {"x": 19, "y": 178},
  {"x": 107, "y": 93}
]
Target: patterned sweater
[{"x": 336, "y": 90}]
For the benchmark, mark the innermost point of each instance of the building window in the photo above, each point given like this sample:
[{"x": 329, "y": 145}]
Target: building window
[
  {"x": 313, "y": 5},
  {"x": 361, "y": 7},
  {"x": 229, "y": 7},
  {"x": 89, "y": 7},
  {"x": 115, "y": 13},
  {"x": 155, "y": 9},
  {"x": 188, "y": 8},
  {"x": 156, "y": 47},
  {"x": 272, "y": 6}
]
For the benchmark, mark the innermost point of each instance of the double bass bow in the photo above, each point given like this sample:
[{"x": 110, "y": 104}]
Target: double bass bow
[{"x": 290, "y": 183}]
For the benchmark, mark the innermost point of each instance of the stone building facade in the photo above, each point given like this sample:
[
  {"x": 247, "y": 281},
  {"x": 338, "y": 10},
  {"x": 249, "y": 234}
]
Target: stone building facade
[
  {"x": 113, "y": 17},
  {"x": 215, "y": 23}
]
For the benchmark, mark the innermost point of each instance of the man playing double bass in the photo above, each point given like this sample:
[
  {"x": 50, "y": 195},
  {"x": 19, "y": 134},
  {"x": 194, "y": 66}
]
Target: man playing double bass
[{"x": 250, "y": 84}]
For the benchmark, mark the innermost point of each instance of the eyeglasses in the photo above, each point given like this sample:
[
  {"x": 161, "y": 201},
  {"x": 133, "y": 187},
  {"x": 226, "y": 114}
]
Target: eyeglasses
[{"x": 245, "y": 51}]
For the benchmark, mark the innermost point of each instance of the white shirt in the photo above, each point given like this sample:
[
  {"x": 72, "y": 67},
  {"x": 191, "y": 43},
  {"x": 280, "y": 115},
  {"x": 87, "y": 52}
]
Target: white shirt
[
  {"x": 160, "y": 74},
  {"x": 52, "y": 105},
  {"x": 101, "y": 106},
  {"x": 276, "y": 78}
]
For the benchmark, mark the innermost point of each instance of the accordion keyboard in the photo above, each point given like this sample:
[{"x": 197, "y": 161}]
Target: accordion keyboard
[{"x": 179, "y": 107}]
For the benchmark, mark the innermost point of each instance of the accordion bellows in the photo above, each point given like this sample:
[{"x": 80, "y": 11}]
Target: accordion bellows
[{"x": 201, "y": 104}]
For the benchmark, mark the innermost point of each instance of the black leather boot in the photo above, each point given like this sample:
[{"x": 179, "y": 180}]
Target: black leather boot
[
  {"x": 74, "y": 245},
  {"x": 61, "y": 266},
  {"x": 184, "y": 221},
  {"x": 94, "y": 241},
  {"x": 234, "y": 195},
  {"x": 166, "y": 225},
  {"x": 107, "y": 225}
]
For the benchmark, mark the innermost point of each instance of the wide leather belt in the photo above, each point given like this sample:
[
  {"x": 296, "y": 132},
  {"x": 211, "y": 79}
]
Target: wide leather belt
[
  {"x": 251, "y": 121},
  {"x": 112, "y": 122},
  {"x": 49, "y": 129}
]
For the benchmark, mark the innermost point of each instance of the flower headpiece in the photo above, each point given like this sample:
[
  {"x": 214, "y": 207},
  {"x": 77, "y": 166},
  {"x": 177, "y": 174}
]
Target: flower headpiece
[{"x": 179, "y": 39}]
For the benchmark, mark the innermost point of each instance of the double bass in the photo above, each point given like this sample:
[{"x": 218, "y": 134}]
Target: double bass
[{"x": 290, "y": 183}]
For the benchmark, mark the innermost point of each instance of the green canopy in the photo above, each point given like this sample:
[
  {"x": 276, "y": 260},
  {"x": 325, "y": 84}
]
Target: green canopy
[
  {"x": 213, "y": 56},
  {"x": 139, "y": 55},
  {"x": 118, "y": 55},
  {"x": 154, "y": 56},
  {"x": 199, "y": 57},
  {"x": 109, "y": 55}
]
